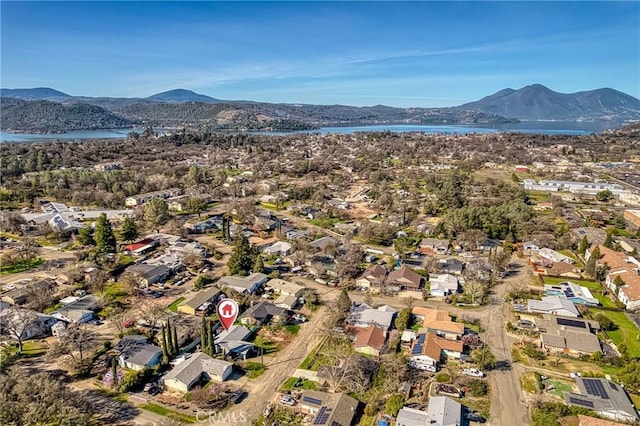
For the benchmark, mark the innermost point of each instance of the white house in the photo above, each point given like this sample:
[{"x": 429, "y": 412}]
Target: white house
[
  {"x": 189, "y": 372},
  {"x": 443, "y": 284},
  {"x": 554, "y": 256},
  {"x": 553, "y": 305}
]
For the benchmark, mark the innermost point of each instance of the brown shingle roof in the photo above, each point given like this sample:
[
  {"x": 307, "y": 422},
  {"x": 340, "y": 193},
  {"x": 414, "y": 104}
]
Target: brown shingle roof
[
  {"x": 404, "y": 277},
  {"x": 370, "y": 336}
]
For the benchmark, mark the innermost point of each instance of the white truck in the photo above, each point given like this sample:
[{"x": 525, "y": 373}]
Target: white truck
[{"x": 473, "y": 372}]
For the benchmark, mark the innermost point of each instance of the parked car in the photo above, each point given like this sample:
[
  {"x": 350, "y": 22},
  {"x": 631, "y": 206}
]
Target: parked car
[
  {"x": 287, "y": 400},
  {"x": 237, "y": 396},
  {"x": 473, "y": 372},
  {"x": 475, "y": 417}
]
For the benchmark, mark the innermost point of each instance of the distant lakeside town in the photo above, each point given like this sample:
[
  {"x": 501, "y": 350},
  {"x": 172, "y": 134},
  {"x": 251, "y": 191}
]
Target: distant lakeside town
[{"x": 382, "y": 278}]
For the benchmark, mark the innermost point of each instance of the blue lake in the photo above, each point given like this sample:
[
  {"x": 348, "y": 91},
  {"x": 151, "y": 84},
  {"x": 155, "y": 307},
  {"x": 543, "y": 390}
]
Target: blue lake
[{"x": 538, "y": 127}]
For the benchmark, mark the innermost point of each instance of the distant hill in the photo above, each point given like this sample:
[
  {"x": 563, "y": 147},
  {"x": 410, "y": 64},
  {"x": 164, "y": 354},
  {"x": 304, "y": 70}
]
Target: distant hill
[
  {"x": 537, "y": 102},
  {"x": 44, "y": 93},
  {"x": 51, "y": 117},
  {"x": 182, "y": 95}
]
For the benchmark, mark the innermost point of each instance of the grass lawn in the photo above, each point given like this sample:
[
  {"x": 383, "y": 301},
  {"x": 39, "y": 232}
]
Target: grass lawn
[
  {"x": 292, "y": 329},
  {"x": 306, "y": 384},
  {"x": 635, "y": 399},
  {"x": 626, "y": 333},
  {"x": 8, "y": 235},
  {"x": 538, "y": 196},
  {"x": 591, "y": 285},
  {"x": 20, "y": 266},
  {"x": 158, "y": 409},
  {"x": 255, "y": 369},
  {"x": 310, "y": 360},
  {"x": 605, "y": 301},
  {"x": 30, "y": 349},
  {"x": 528, "y": 383},
  {"x": 566, "y": 365},
  {"x": 560, "y": 387},
  {"x": 115, "y": 291},
  {"x": 325, "y": 223},
  {"x": 174, "y": 306}
]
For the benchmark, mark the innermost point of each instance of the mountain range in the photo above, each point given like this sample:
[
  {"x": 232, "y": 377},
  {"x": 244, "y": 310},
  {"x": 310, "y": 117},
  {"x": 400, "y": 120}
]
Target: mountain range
[{"x": 49, "y": 110}]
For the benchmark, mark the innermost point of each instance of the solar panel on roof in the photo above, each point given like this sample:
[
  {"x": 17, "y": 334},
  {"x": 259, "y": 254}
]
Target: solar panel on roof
[
  {"x": 322, "y": 416},
  {"x": 570, "y": 322},
  {"x": 595, "y": 387},
  {"x": 580, "y": 401},
  {"x": 613, "y": 386},
  {"x": 311, "y": 400}
]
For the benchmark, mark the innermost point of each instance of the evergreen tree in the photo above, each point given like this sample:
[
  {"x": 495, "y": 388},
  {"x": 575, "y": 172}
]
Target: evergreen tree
[
  {"x": 592, "y": 263},
  {"x": 128, "y": 230},
  {"x": 103, "y": 236},
  {"x": 170, "y": 349},
  {"x": 584, "y": 245},
  {"x": 85, "y": 236},
  {"x": 156, "y": 213},
  {"x": 608, "y": 242},
  {"x": 343, "y": 303},
  {"x": 175, "y": 344},
  {"x": 165, "y": 350},
  {"x": 114, "y": 372},
  {"x": 258, "y": 265},
  {"x": 210, "y": 340},
  {"x": 241, "y": 260}
]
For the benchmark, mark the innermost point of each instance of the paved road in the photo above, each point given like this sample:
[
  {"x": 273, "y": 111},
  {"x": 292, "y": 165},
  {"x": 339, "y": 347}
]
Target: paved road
[
  {"x": 507, "y": 401},
  {"x": 283, "y": 366}
]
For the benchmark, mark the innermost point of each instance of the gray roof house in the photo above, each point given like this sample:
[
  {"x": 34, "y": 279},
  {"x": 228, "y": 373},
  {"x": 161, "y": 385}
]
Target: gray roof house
[
  {"x": 137, "y": 356},
  {"x": 150, "y": 274},
  {"x": 324, "y": 242},
  {"x": 412, "y": 417},
  {"x": 363, "y": 315},
  {"x": 190, "y": 371},
  {"x": 261, "y": 313},
  {"x": 444, "y": 411},
  {"x": 443, "y": 284},
  {"x": 604, "y": 397},
  {"x": 78, "y": 311},
  {"x": 553, "y": 305},
  {"x": 234, "y": 341},
  {"x": 332, "y": 409},
  {"x": 244, "y": 284},
  {"x": 200, "y": 301}
]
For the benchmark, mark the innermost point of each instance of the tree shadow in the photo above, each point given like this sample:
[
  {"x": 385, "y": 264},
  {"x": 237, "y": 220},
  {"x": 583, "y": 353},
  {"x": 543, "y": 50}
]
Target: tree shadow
[{"x": 109, "y": 410}]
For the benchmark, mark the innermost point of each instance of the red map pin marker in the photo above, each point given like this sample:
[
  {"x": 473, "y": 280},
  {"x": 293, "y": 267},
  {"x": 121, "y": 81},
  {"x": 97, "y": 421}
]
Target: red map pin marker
[{"x": 227, "y": 312}]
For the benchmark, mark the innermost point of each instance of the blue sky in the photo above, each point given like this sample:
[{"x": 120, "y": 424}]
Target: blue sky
[{"x": 355, "y": 53}]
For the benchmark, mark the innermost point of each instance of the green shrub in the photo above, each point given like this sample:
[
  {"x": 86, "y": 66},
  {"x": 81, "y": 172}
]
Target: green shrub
[{"x": 443, "y": 377}]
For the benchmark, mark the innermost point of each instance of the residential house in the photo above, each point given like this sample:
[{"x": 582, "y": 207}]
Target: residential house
[
  {"x": 279, "y": 248},
  {"x": 172, "y": 260},
  {"x": 138, "y": 355},
  {"x": 430, "y": 349},
  {"x": 150, "y": 274},
  {"x": 571, "y": 342},
  {"x": 234, "y": 342},
  {"x": 263, "y": 313},
  {"x": 438, "y": 322},
  {"x": 408, "y": 416},
  {"x": 268, "y": 185},
  {"x": 604, "y": 397},
  {"x": 403, "y": 279},
  {"x": 373, "y": 278},
  {"x": 554, "y": 256},
  {"x": 489, "y": 244},
  {"x": 553, "y": 305},
  {"x": 625, "y": 267},
  {"x": 141, "y": 247},
  {"x": 185, "y": 247},
  {"x": 443, "y": 285},
  {"x": 451, "y": 266},
  {"x": 244, "y": 285},
  {"x": 285, "y": 288},
  {"x": 138, "y": 200},
  {"x": 191, "y": 371},
  {"x": 324, "y": 243},
  {"x": 286, "y": 302},
  {"x": 573, "y": 292},
  {"x": 434, "y": 246},
  {"x": 296, "y": 234},
  {"x": 370, "y": 340},
  {"x": 331, "y": 409},
  {"x": 22, "y": 293},
  {"x": 77, "y": 311},
  {"x": 200, "y": 302},
  {"x": 363, "y": 315},
  {"x": 38, "y": 325},
  {"x": 595, "y": 236},
  {"x": 530, "y": 246},
  {"x": 444, "y": 411},
  {"x": 562, "y": 269}
]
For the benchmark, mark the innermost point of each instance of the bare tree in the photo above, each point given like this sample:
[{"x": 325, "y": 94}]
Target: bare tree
[
  {"x": 27, "y": 250},
  {"x": 151, "y": 312},
  {"x": 98, "y": 280},
  {"x": 193, "y": 259},
  {"x": 346, "y": 375},
  {"x": 77, "y": 341},
  {"x": 40, "y": 297},
  {"x": 18, "y": 323},
  {"x": 475, "y": 290}
]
